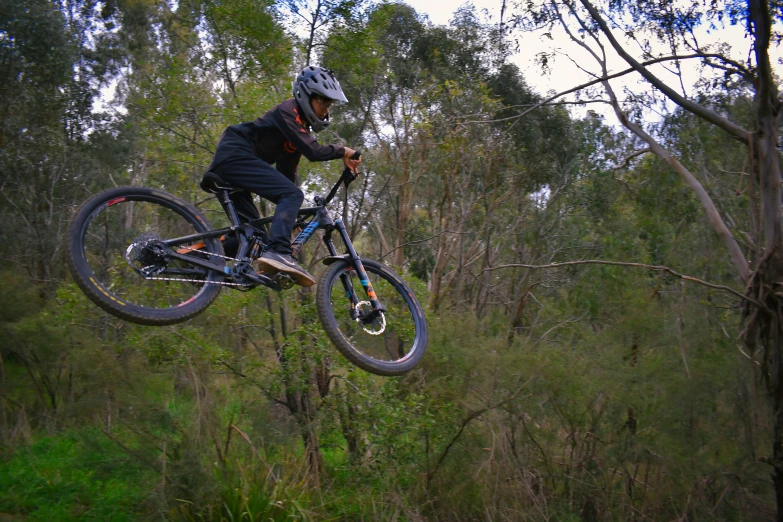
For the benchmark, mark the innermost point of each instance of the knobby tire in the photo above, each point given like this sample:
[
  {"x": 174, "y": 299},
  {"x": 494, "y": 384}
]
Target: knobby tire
[
  {"x": 95, "y": 255},
  {"x": 404, "y": 340}
]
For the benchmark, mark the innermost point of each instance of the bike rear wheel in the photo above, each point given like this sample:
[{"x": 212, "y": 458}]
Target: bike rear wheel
[
  {"x": 391, "y": 343},
  {"x": 118, "y": 257}
]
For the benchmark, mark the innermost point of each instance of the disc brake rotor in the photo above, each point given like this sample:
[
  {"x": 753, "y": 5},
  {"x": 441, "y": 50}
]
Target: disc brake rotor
[{"x": 378, "y": 325}]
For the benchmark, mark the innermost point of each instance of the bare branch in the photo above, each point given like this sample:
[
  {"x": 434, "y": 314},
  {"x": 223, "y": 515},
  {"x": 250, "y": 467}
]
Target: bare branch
[
  {"x": 657, "y": 268},
  {"x": 593, "y": 82},
  {"x": 628, "y": 159},
  {"x": 702, "y": 112},
  {"x": 471, "y": 416}
]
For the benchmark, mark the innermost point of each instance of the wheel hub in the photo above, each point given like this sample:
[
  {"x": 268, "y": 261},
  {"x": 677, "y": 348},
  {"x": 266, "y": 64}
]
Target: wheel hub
[
  {"x": 371, "y": 322},
  {"x": 147, "y": 255}
]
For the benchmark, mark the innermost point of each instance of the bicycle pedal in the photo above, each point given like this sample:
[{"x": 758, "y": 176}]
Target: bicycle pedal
[{"x": 284, "y": 280}]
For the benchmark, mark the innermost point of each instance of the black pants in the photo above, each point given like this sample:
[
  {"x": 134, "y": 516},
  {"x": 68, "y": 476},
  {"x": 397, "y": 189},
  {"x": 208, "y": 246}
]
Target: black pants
[{"x": 236, "y": 164}]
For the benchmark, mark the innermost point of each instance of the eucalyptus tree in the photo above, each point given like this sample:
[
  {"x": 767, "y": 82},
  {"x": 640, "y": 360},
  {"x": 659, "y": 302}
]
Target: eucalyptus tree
[
  {"x": 394, "y": 69},
  {"x": 384, "y": 81},
  {"x": 55, "y": 59},
  {"x": 195, "y": 69},
  {"x": 416, "y": 91},
  {"x": 317, "y": 17},
  {"x": 647, "y": 36}
]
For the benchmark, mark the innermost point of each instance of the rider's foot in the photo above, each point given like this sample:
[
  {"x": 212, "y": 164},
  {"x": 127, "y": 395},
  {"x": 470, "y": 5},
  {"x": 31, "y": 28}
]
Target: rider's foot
[{"x": 276, "y": 261}]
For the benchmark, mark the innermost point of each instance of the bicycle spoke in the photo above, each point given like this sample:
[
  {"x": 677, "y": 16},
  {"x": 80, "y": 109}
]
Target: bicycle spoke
[
  {"x": 389, "y": 338},
  {"x": 106, "y": 243}
]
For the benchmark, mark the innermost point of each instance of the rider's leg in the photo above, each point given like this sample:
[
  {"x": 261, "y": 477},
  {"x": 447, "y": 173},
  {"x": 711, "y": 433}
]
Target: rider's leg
[
  {"x": 253, "y": 174},
  {"x": 257, "y": 176}
]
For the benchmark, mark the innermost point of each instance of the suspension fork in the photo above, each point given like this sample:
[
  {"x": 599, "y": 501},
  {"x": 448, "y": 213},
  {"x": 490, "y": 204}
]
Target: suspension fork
[{"x": 377, "y": 307}]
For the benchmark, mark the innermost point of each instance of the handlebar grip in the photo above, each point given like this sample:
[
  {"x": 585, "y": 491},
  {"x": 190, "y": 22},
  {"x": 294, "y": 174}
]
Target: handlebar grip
[{"x": 356, "y": 155}]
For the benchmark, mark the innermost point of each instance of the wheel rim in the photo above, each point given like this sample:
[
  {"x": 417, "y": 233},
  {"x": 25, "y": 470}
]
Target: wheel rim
[
  {"x": 111, "y": 242},
  {"x": 392, "y": 338}
]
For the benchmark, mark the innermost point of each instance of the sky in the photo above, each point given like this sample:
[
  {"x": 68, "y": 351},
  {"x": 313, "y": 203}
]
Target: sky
[
  {"x": 564, "y": 72},
  {"x": 440, "y": 12}
]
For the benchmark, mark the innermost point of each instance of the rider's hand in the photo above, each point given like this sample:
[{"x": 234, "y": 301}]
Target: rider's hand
[{"x": 352, "y": 164}]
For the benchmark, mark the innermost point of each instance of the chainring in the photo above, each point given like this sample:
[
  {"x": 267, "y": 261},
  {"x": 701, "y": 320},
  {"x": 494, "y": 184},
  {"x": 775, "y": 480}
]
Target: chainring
[{"x": 241, "y": 272}]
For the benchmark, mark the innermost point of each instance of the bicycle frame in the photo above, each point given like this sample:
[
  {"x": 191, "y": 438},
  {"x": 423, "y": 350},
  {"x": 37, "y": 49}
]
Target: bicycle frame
[{"x": 250, "y": 244}]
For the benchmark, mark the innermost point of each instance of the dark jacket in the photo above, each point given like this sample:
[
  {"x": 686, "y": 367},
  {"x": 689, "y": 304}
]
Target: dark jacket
[{"x": 280, "y": 137}]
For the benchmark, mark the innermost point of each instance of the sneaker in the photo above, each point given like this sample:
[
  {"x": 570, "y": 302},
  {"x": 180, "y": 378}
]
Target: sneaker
[{"x": 275, "y": 261}]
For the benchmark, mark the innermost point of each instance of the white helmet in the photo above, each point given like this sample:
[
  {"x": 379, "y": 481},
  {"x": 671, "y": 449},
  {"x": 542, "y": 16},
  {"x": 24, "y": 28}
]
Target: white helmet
[{"x": 316, "y": 80}]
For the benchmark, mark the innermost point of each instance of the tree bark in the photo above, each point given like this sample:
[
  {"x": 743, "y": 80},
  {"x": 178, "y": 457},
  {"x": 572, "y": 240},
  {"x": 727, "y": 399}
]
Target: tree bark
[{"x": 770, "y": 270}]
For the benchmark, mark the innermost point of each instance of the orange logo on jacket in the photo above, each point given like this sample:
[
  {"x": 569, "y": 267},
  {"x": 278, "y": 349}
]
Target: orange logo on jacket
[
  {"x": 299, "y": 121},
  {"x": 289, "y": 147}
]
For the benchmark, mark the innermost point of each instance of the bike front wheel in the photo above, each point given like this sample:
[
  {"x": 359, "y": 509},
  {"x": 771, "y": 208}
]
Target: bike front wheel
[
  {"x": 388, "y": 343},
  {"x": 120, "y": 255}
]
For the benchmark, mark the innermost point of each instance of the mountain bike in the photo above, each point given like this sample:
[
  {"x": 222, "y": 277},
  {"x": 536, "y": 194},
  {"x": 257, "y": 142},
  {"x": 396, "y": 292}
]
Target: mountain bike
[{"x": 148, "y": 257}]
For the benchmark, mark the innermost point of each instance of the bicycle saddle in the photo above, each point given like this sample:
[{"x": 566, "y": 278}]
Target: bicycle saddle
[{"x": 213, "y": 183}]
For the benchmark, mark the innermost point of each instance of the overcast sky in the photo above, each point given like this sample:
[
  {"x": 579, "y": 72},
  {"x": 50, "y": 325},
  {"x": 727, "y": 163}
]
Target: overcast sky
[
  {"x": 440, "y": 12},
  {"x": 564, "y": 73}
]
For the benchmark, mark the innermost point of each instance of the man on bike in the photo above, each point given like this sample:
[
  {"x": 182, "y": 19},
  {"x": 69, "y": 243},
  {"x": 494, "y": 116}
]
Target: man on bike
[{"x": 246, "y": 152}]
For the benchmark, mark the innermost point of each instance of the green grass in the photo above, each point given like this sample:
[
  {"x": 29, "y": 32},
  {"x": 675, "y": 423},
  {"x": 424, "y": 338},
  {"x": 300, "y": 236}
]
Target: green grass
[{"x": 76, "y": 475}]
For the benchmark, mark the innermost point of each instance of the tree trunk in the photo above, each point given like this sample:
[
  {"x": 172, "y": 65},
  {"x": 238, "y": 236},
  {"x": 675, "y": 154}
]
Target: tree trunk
[
  {"x": 298, "y": 402},
  {"x": 770, "y": 270},
  {"x": 445, "y": 212},
  {"x": 309, "y": 436},
  {"x": 516, "y": 321}
]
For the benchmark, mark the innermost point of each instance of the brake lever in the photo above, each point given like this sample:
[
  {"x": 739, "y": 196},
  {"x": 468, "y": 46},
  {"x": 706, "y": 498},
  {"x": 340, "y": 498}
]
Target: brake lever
[{"x": 349, "y": 176}]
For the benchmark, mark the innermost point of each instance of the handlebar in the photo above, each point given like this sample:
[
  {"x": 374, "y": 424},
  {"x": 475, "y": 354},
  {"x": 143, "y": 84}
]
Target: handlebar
[{"x": 347, "y": 177}]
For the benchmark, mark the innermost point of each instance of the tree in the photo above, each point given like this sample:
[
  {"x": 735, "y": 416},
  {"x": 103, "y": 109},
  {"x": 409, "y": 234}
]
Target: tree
[
  {"x": 642, "y": 23},
  {"x": 318, "y": 16},
  {"x": 55, "y": 59}
]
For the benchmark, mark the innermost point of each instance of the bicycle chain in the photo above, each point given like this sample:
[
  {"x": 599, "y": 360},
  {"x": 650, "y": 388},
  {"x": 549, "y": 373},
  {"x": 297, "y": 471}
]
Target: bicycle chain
[
  {"x": 194, "y": 281},
  {"x": 223, "y": 283}
]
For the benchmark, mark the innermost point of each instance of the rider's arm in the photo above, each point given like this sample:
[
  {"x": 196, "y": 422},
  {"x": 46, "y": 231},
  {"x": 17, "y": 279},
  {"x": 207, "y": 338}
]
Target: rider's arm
[{"x": 293, "y": 128}]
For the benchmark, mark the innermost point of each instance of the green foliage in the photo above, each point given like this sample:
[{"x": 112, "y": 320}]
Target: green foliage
[
  {"x": 253, "y": 492},
  {"x": 582, "y": 392},
  {"x": 79, "y": 474}
]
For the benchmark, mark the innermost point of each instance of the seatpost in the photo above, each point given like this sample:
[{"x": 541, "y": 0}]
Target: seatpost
[{"x": 228, "y": 206}]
